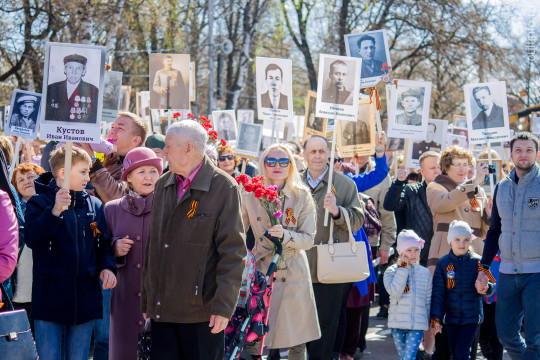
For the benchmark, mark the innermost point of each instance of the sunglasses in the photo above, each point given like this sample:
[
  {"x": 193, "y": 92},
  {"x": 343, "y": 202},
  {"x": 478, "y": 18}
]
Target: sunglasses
[
  {"x": 337, "y": 160},
  {"x": 225, "y": 157},
  {"x": 283, "y": 162}
]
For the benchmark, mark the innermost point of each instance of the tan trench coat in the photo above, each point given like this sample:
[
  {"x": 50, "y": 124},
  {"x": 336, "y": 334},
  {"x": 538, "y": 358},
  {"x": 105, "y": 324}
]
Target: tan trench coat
[
  {"x": 293, "y": 316},
  {"x": 449, "y": 201}
]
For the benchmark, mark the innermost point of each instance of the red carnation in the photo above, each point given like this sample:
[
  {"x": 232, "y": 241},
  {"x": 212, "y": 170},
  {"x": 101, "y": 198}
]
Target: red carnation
[
  {"x": 223, "y": 142},
  {"x": 242, "y": 179},
  {"x": 259, "y": 193},
  {"x": 190, "y": 115},
  {"x": 248, "y": 187},
  {"x": 176, "y": 115}
]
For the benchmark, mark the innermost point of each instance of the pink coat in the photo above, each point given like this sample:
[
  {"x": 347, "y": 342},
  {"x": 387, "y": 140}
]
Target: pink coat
[{"x": 9, "y": 237}]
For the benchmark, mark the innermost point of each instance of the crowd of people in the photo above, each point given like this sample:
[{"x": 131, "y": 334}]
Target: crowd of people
[{"x": 156, "y": 229}]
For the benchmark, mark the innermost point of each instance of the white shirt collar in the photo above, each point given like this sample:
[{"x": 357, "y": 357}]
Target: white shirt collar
[
  {"x": 314, "y": 183},
  {"x": 71, "y": 88}
]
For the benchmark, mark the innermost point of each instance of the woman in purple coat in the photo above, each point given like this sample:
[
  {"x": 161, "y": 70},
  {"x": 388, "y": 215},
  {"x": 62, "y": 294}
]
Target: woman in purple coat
[{"x": 127, "y": 223}]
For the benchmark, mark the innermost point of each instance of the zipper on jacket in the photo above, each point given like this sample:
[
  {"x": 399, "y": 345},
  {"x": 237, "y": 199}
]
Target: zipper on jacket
[{"x": 76, "y": 251}]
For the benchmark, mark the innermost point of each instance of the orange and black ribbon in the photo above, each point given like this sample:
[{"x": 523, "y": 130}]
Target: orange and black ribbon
[
  {"x": 374, "y": 93},
  {"x": 450, "y": 276},
  {"x": 193, "y": 209},
  {"x": 475, "y": 206},
  {"x": 487, "y": 272},
  {"x": 95, "y": 230},
  {"x": 290, "y": 216},
  {"x": 333, "y": 190}
]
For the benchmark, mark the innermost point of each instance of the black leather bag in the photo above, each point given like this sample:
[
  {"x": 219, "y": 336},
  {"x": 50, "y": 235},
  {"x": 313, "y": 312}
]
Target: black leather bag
[
  {"x": 16, "y": 341},
  {"x": 144, "y": 342}
]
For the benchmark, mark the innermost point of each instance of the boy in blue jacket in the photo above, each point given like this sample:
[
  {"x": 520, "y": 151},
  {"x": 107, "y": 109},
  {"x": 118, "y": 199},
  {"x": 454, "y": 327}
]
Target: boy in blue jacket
[{"x": 65, "y": 231}]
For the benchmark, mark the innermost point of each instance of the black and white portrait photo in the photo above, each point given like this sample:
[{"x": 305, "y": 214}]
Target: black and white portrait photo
[
  {"x": 2, "y": 117},
  {"x": 245, "y": 116},
  {"x": 225, "y": 124},
  {"x": 339, "y": 84},
  {"x": 73, "y": 85},
  {"x": 459, "y": 121},
  {"x": 249, "y": 139},
  {"x": 23, "y": 120},
  {"x": 372, "y": 48},
  {"x": 313, "y": 125},
  {"x": 536, "y": 125},
  {"x": 169, "y": 81},
  {"x": 111, "y": 95},
  {"x": 125, "y": 98},
  {"x": 358, "y": 137},
  {"x": 409, "y": 109},
  {"x": 274, "y": 88},
  {"x": 435, "y": 140},
  {"x": 487, "y": 112}
]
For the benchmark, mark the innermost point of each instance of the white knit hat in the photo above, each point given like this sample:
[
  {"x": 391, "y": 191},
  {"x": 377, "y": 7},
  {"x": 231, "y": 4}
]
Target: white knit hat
[
  {"x": 459, "y": 228},
  {"x": 407, "y": 239}
]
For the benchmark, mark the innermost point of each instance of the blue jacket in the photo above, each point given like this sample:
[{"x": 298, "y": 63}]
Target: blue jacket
[
  {"x": 373, "y": 178},
  {"x": 460, "y": 304},
  {"x": 67, "y": 258}
]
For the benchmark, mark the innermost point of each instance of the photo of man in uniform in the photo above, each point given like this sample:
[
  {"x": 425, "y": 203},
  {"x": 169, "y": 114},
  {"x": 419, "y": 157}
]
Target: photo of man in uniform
[
  {"x": 411, "y": 99},
  {"x": 226, "y": 127},
  {"x": 73, "y": 99},
  {"x": 248, "y": 140},
  {"x": 25, "y": 114},
  {"x": 355, "y": 133},
  {"x": 491, "y": 115},
  {"x": 420, "y": 147},
  {"x": 313, "y": 122},
  {"x": 335, "y": 92},
  {"x": 366, "y": 48},
  {"x": 170, "y": 86},
  {"x": 273, "y": 98}
]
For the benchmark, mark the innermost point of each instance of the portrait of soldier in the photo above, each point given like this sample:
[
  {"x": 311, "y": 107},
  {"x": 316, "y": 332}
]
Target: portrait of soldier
[
  {"x": 313, "y": 122},
  {"x": 170, "y": 86},
  {"x": 411, "y": 99},
  {"x": 25, "y": 114},
  {"x": 273, "y": 98},
  {"x": 491, "y": 115},
  {"x": 248, "y": 139},
  {"x": 227, "y": 129},
  {"x": 420, "y": 147},
  {"x": 335, "y": 91},
  {"x": 72, "y": 99},
  {"x": 366, "y": 48},
  {"x": 355, "y": 133}
]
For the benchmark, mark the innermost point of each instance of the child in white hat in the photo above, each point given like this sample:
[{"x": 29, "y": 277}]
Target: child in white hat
[{"x": 409, "y": 285}]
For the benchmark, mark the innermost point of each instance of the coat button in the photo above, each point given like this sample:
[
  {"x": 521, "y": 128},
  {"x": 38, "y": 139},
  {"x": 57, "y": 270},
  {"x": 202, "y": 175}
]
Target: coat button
[
  {"x": 282, "y": 279},
  {"x": 140, "y": 323},
  {"x": 166, "y": 246},
  {"x": 466, "y": 210},
  {"x": 139, "y": 266},
  {"x": 139, "y": 294},
  {"x": 157, "y": 316},
  {"x": 158, "y": 303},
  {"x": 138, "y": 238}
]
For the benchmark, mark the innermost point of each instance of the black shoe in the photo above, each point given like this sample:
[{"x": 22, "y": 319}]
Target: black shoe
[
  {"x": 422, "y": 355},
  {"x": 273, "y": 355},
  {"x": 383, "y": 312}
]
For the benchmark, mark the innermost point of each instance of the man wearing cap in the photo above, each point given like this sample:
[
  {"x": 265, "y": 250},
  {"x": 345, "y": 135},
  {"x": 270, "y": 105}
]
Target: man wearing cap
[
  {"x": 410, "y": 101},
  {"x": 23, "y": 118},
  {"x": 170, "y": 86},
  {"x": 73, "y": 99}
]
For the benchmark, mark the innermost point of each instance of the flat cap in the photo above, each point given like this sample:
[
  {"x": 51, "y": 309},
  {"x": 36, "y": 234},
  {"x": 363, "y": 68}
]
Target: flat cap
[
  {"x": 412, "y": 92},
  {"x": 75, "y": 58},
  {"x": 27, "y": 98}
]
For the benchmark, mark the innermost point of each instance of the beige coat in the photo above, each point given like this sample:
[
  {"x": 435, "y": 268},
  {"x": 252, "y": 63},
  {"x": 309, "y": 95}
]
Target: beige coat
[
  {"x": 293, "y": 316},
  {"x": 449, "y": 201}
]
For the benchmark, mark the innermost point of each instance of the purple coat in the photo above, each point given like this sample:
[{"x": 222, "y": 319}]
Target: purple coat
[
  {"x": 127, "y": 216},
  {"x": 9, "y": 237}
]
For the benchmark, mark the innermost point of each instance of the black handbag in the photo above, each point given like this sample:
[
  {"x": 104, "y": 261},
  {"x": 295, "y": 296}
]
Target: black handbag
[
  {"x": 144, "y": 342},
  {"x": 16, "y": 341}
]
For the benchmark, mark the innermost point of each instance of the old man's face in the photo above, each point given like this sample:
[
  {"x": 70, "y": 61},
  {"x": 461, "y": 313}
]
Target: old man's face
[{"x": 74, "y": 71}]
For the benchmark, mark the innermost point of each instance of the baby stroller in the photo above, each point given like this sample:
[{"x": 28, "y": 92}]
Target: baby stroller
[{"x": 250, "y": 320}]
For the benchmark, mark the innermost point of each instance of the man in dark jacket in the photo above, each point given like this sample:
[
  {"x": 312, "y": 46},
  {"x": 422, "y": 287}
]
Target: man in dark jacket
[
  {"x": 195, "y": 252},
  {"x": 413, "y": 197}
]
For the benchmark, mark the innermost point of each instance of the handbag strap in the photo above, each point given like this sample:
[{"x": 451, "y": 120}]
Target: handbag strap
[
  {"x": 345, "y": 213},
  {"x": 6, "y": 298}
]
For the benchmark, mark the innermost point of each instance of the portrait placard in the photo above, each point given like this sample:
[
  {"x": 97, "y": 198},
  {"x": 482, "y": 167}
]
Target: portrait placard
[
  {"x": 169, "y": 81},
  {"x": 372, "y": 48},
  {"x": 246, "y": 116},
  {"x": 111, "y": 95},
  {"x": 249, "y": 139},
  {"x": 487, "y": 112},
  {"x": 358, "y": 137},
  {"x": 459, "y": 121},
  {"x": 2, "y": 116},
  {"x": 274, "y": 89},
  {"x": 143, "y": 109},
  {"x": 459, "y": 140},
  {"x": 409, "y": 109},
  {"x": 435, "y": 140},
  {"x": 72, "y": 92},
  {"x": 462, "y": 132},
  {"x": 313, "y": 125},
  {"x": 536, "y": 125},
  {"x": 338, "y": 87},
  {"x": 498, "y": 175},
  {"x": 125, "y": 98},
  {"x": 275, "y": 127},
  {"x": 23, "y": 121},
  {"x": 225, "y": 124}
]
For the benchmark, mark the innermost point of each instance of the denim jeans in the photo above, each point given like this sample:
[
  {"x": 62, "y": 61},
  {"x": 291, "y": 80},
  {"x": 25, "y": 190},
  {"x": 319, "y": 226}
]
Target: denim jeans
[
  {"x": 407, "y": 342},
  {"x": 101, "y": 328},
  {"x": 57, "y": 341},
  {"x": 517, "y": 299}
]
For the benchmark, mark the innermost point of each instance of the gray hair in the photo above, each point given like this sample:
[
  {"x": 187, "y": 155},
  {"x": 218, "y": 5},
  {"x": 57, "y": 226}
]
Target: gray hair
[{"x": 192, "y": 131}]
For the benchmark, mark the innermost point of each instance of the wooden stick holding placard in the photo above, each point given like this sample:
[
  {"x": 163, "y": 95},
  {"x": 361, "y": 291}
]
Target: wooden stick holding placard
[
  {"x": 405, "y": 152},
  {"x": 244, "y": 163},
  {"x": 169, "y": 118},
  {"x": 331, "y": 168},
  {"x": 67, "y": 168},
  {"x": 15, "y": 161}
]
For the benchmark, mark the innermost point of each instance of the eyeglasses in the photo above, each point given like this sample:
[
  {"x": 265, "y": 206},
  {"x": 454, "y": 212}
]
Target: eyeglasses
[
  {"x": 283, "y": 162},
  {"x": 225, "y": 157},
  {"x": 338, "y": 160},
  {"x": 461, "y": 166}
]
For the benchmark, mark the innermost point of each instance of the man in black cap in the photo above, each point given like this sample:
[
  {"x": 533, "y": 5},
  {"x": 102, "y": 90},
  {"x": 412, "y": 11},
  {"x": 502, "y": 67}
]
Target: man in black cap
[
  {"x": 410, "y": 102},
  {"x": 73, "y": 99}
]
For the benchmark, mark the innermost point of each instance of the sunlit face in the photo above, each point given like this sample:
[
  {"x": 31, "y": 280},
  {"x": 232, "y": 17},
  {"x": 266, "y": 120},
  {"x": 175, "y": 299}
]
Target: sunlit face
[
  {"x": 367, "y": 50},
  {"x": 24, "y": 184},
  {"x": 274, "y": 81},
  {"x": 316, "y": 154},
  {"x": 74, "y": 71},
  {"x": 524, "y": 154},
  {"x": 338, "y": 74},
  {"x": 79, "y": 176},
  {"x": 413, "y": 253},
  {"x": 27, "y": 108},
  {"x": 122, "y": 134},
  {"x": 458, "y": 170},
  {"x": 277, "y": 173},
  {"x": 460, "y": 245},
  {"x": 410, "y": 104},
  {"x": 226, "y": 164},
  {"x": 176, "y": 152},
  {"x": 143, "y": 179},
  {"x": 430, "y": 168},
  {"x": 483, "y": 99},
  {"x": 430, "y": 133}
]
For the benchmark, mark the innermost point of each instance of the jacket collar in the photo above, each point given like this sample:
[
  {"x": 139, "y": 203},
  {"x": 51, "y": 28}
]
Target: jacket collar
[
  {"x": 46, "y": 184},
  {"x": 324, "y": 180},
  {"x": 201, "y": 181},
  {"x": 137, "y": 205},
  {"x": 447, "y": 182},
  {"x": 527, "y": 177},
  {"x": 454, "y": 257}
]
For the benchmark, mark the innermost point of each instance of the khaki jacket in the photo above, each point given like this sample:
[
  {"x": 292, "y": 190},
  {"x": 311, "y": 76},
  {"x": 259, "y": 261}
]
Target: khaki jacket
[
  {"x": 449, "y": 201},
  {"x": 195, "y": 252},
  {"x": 347, "y": 197},
  {"x": 293, "y": 316}
]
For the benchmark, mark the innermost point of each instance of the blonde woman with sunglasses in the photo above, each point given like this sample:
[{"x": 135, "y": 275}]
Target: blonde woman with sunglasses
[{"x": 293, "y": 315}]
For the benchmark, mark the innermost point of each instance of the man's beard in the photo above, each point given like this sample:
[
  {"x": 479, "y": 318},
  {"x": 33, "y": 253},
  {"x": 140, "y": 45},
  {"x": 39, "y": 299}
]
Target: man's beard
[{"x": 525, "y": 169}]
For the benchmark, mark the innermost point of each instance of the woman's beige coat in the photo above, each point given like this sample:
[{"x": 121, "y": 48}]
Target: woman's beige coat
[{"x": 293, "y": 316}]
